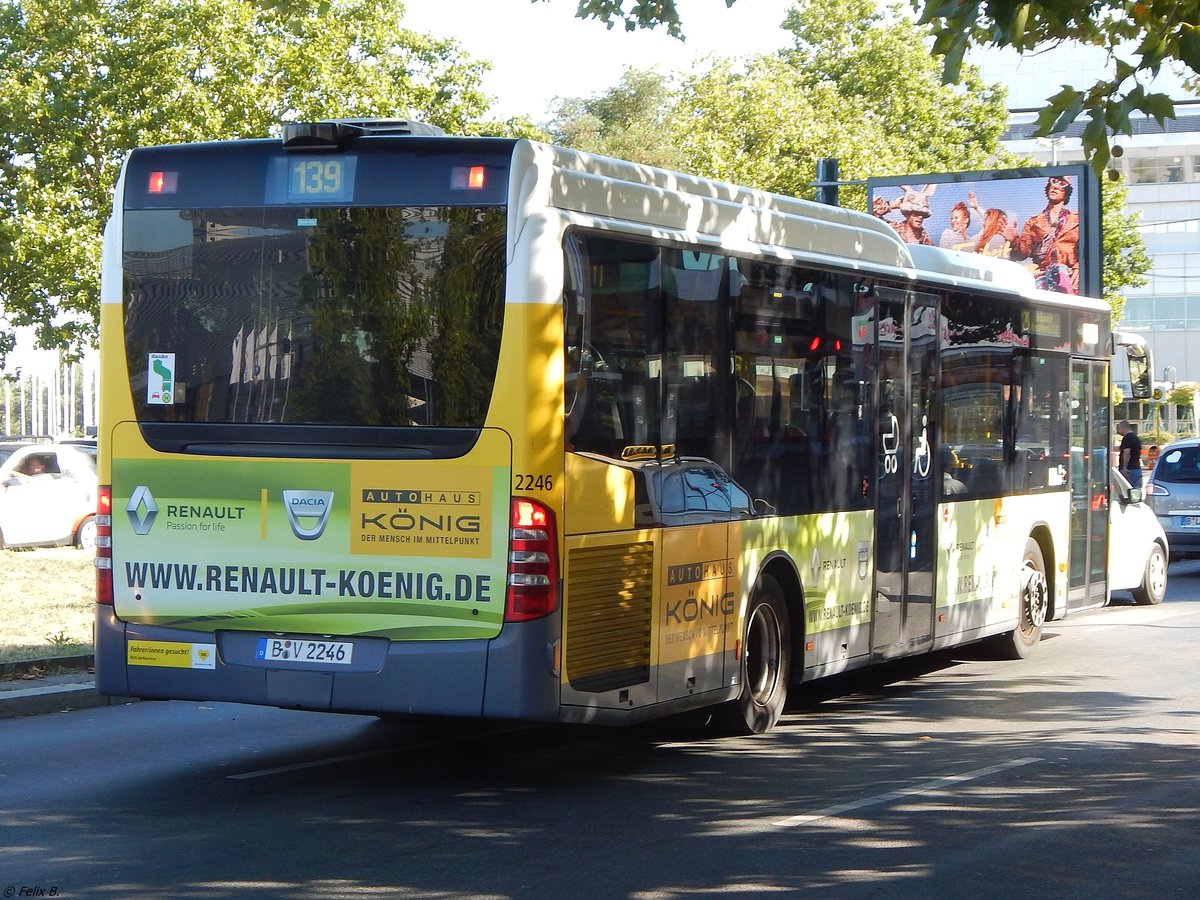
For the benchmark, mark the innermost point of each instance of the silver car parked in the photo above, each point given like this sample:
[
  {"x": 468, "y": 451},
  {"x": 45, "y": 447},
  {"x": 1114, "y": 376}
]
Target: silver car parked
[{"x": 1173, "y": 492}]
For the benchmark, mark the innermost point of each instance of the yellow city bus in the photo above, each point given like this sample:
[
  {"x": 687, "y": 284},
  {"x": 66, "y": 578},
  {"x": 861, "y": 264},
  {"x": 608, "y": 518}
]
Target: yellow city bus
[{"x": 395, "y": 422}]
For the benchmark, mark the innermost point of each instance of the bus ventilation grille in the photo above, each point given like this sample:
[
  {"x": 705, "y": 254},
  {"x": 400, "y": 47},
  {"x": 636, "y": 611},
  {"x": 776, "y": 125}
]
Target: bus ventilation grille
[{"x": 609, "y": 596}]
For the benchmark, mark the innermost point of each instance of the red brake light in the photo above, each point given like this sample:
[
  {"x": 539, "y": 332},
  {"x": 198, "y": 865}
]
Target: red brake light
[
  {"x": 532, "y": 562},
  {"x": 103, "y": 560},
  {"x": 468, "y": 178},
  {"x": 162, "y": 182},
  {"x": 527, "y": 514}
]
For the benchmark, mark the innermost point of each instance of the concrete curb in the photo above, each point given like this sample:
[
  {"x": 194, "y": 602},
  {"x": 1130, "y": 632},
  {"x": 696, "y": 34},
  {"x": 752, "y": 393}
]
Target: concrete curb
[
  {"x": 35, "y": 701},
  {"x": 28, "y": 692}
]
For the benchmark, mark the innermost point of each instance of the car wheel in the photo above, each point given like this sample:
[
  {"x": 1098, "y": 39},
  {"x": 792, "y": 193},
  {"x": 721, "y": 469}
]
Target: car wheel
[
  {"x": 1154, "y": 581},
  {"x": 766, "y": 665},
  {"x": 1035, "y": 605},
  {"x": 85, "y": 534}
]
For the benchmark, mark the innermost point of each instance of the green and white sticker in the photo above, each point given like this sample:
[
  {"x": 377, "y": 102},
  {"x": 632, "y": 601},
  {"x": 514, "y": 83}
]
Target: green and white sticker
[{"x": 160, "y": 379}]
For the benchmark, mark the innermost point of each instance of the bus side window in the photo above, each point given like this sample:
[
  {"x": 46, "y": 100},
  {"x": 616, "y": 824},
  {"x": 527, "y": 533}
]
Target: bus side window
[{"x": 610, "y": 392}]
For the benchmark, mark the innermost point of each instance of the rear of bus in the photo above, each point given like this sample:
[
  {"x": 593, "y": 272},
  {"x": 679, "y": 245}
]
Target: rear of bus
[{"x": 315, "y": 388}]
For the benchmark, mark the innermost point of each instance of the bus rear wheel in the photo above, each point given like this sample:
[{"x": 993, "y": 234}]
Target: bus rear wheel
[
  {"x": 1035, "y": 605},
  {"x": 766, "y": 664}
]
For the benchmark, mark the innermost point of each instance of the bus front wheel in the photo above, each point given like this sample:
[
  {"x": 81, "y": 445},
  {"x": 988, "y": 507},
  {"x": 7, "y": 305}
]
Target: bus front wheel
[
  {"x": 766, "y": 664},
  {"x": 1035, "y": 605}
]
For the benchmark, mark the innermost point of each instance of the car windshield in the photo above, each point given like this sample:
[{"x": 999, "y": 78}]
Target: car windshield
[
  {"x": 1179, "y": 465},
  {"x": 7, "y": 450}
]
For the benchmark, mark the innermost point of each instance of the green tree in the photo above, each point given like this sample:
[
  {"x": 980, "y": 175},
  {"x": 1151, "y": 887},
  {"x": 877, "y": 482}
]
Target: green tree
[
  {"x": 1142, "y": 36},
  {"x": 628, "y": 121},
  {"x": 1123, "y": 252},
  {"x": 850, "y": 87},
  {"x": 872, "y": 58},
  {"x": 84, "y": 81},
  {"x": 640, "y": 14}
]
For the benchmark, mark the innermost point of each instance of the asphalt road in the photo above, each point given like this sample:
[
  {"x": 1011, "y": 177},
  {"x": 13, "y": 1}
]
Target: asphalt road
[{"x": 1073, "y": 774}]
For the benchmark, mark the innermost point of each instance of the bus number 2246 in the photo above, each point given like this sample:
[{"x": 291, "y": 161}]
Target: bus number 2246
[{"x": 534, "y": 482}]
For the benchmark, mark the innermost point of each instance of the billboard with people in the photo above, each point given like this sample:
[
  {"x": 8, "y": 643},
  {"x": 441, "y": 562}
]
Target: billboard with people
[{"x": 1047, "y": 218}]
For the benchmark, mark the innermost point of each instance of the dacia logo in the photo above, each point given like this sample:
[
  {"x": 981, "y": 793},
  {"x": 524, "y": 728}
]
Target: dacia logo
[{"x": 308, "y": 512}]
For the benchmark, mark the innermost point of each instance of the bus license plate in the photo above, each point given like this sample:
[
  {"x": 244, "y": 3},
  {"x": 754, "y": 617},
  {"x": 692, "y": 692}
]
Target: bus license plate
[{"x": 303, "y": 650}]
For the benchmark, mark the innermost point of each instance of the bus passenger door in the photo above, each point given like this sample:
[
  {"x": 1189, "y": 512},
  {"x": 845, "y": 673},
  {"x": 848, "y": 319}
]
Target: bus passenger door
[
  {"x": 1089, "y": 484},
  {"x": 907, "y": 503}
]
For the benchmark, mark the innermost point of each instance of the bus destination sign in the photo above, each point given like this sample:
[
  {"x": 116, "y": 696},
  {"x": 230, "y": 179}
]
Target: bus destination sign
[{"x": 310, "y": 180}]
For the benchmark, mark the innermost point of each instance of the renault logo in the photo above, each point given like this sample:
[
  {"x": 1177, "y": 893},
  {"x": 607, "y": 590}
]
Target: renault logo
[
  {"x": 141, "y": 509},
  {"x": 307, "y": 512}
]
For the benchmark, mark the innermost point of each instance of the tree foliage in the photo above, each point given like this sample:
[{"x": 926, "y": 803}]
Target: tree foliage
[
  {"x": 850, "y": 87},
  {"x": 634, "y": 14},
  {"x": 84, "y": 81},
  {"x": 1124, "y": 261},
  {"x": 1141, "y": 35},
  {"x": 630, "y": 120},
  {"x": 854, "y": 85}
]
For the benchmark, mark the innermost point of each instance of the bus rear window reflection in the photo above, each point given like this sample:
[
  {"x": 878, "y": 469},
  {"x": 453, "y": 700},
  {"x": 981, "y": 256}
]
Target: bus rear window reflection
[{"x": 337, "y": 316}]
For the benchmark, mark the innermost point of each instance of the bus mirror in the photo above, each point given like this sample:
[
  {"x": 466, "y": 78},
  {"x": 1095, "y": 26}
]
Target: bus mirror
[{"x": 1139, "y": 371}]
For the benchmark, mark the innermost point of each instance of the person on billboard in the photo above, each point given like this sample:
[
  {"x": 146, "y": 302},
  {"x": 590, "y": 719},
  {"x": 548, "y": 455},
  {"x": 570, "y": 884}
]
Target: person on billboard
[
  {"x": 914, "y": 206},
  {"x": 995, "y": 237},
  {"x": 955, "y": 237},
  {"x": 1051, "y": 240}
]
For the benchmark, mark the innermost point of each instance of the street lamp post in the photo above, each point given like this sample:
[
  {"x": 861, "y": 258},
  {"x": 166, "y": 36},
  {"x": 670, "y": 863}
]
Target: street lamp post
[{"x": 1054, "y": 143}]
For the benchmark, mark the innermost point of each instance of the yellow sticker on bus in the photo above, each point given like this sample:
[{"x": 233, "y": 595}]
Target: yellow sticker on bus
[{"x": 171, "y": 654}]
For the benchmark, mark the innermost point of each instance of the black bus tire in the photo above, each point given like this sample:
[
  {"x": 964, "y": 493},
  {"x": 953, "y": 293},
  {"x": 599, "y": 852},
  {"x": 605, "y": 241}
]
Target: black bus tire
[
  {"x": 1021, "y": 642},
  {"x": 766, "y": 664}
]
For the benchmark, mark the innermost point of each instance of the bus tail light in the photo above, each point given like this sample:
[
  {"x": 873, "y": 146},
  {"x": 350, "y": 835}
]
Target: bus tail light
[
  {"x": 532, "y": 563},
  {"x": 103, "y": 560}
]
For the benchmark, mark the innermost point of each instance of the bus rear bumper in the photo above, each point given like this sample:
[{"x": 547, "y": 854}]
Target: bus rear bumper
[{"x": 507, "y": 677}]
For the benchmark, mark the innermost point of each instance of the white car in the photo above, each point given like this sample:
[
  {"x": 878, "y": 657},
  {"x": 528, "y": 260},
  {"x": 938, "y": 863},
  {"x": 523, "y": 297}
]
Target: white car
[
  {"x": 1137, "y": 546},
  {"x": 47, "y": 495}
]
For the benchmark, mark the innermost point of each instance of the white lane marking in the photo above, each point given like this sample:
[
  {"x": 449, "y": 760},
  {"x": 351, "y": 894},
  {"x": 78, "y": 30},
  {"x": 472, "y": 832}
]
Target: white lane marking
[{"x": 925, "y": 788}]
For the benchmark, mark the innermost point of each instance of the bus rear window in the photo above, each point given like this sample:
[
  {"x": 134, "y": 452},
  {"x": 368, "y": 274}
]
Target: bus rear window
[{"x": 326, "y": 316}]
